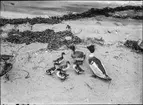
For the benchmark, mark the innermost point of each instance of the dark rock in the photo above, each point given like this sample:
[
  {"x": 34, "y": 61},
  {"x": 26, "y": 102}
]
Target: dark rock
[{"x": 133, "y": 45}]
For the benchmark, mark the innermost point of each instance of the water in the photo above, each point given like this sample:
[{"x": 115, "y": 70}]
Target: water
[{"x": 44, "y": 7}]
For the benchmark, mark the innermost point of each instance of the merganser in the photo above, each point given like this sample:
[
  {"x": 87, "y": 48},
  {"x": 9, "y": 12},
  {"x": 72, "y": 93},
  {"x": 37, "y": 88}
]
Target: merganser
[
  {"x": 61, "y": 74},
  {"x": 77, "y": 55},
  {"x": 96, "y": 66},
  {"x": 59, "y": 60},
  {"x": 78, "y": 69},
  {"x": 51, "y": 70}
]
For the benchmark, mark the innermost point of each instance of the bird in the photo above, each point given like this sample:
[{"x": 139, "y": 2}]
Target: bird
[
  {"x": 78, "y": 56},
  {"x": 96, "y": 65},
  {"x": 78, "y": 69},
  {"x": 64, "y": 66},
  {"x": 59, "y": 60},
  {"x": 51, "y": 70},
  {"x": 61, "y": 74}
]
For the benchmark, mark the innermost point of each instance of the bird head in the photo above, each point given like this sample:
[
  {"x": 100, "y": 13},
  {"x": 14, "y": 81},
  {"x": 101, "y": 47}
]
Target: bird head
[
  {"x": 63, "y": 53},
  {"x": 68, "y": 62},
  {"x": 91, "y": 48},
  {"x": 72, "y": 47}
]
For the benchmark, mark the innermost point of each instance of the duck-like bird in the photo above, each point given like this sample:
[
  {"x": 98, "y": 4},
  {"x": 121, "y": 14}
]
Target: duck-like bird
[
  {"x": 64, "y": 66},
  {"x": 78, "y": 69},
  {"x": 51, "y": 70},
  {"x": 59, "y": 60},
  {"x": 78, "y": 56},
  {"x": 61, "y": 74},
  {"x": 96, "y": 65}
]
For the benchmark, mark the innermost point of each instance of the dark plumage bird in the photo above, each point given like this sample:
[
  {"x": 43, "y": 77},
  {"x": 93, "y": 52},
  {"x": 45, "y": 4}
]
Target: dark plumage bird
[
  {"x": 78, "y": 69},
  {"x": 51, "y": 70},
  {"x": 61, "y": 74},
  {"x": 96, "y": 65},
  {"x": 64, "y": 66},
  {"x": 59, "y": 60},
  {"x": 77, "y": 55}
]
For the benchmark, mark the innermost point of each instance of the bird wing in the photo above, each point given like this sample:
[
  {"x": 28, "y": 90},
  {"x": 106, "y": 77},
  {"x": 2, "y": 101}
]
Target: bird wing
[
  {"x": 51, "y": 69},
  {"x": 57, "y": 59},
  {"x": 96, "y": 70},
  {"x": 58, "y": 74},
  {"x": 98, "y": 64},
  {"x": 78, "y": 55},
  {"x": 78, "y": 62},
  {"x": 63, "y": 66}
]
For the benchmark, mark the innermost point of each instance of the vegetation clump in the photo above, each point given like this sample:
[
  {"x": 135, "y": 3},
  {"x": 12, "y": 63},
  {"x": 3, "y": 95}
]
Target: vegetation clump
[
  {"x": 133, "y": 45},
  {"x": 54, "y": 39},
  {"x": 107, "y": 11}
]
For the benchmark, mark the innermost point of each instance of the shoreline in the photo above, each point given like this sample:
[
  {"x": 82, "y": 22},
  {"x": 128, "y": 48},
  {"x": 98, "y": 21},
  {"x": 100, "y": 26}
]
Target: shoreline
[{"x": 133, "y": 12}]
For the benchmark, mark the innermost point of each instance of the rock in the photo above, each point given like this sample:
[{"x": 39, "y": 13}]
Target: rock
[{"x": 134, "y": 45}]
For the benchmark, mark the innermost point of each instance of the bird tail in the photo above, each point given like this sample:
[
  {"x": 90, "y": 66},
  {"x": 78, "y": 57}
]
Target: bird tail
[{"x": 108, "y": 78}]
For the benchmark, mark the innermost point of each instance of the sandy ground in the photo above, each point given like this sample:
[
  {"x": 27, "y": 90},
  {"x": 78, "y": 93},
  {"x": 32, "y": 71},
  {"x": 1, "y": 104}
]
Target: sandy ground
[{"x": 122, "y": 65}]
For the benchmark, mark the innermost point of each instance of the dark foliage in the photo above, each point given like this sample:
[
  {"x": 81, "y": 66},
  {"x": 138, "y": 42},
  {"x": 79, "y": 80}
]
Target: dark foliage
[
  {"x": 90, "y": 13},
  {"x": 54, "y": 39},
  {"x": 29, "y": 20},
  {"x": 133, "y": 45}
]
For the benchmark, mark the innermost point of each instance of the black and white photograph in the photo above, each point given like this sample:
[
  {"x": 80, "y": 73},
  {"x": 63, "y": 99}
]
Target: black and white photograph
[{"x": 71, "y": 52}]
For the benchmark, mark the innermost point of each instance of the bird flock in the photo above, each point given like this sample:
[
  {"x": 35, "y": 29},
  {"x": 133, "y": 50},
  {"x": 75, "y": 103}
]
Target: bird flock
[{"x": 60, "y": 65}]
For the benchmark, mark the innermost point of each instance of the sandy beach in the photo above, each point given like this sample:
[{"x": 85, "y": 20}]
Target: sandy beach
[{"x": 122, "y": 64}]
